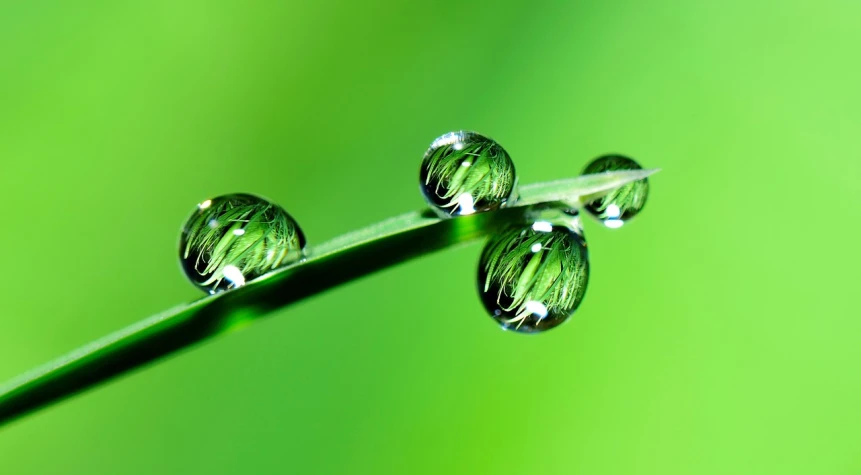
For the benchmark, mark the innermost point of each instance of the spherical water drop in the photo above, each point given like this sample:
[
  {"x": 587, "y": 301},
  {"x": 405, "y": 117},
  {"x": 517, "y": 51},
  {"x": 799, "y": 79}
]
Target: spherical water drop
[
  {"x": 532, "y": 277},
  {"x": 465, "y": 172},
  {"x": 622, "y": 204},
  {"x": 233, "y": 239}
]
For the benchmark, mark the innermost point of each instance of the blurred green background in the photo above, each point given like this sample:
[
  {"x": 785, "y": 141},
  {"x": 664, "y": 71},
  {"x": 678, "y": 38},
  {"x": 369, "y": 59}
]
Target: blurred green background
[{"x": 719, "y": 333}]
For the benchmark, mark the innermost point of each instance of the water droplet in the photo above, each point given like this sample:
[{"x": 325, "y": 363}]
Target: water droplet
[
  {"x": 532, "y": 277},
  {"x": 622, "y": 204},
  {"x": 465, "y": 172},
  {"x": 233, "y": 239}
]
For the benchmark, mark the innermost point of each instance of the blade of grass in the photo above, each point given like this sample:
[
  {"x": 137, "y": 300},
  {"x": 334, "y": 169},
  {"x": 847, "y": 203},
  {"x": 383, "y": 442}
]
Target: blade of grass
[{"x": 328, "y": 265}]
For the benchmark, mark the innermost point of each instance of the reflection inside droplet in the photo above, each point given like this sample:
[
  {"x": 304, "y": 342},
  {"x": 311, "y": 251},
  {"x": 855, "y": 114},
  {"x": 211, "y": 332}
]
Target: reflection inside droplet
[
  {"x": 620, "y": 205},
  {"x": 532, "y": 277},
  {"x": 230, "y": 240},
  {"x": 465, "y": 173}
]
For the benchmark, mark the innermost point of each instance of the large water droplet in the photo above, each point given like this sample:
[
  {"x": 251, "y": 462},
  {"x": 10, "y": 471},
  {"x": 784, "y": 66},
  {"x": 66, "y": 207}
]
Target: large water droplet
[
  {"x": 232, "y": 239},
  {"x": 532, "y": 277},
  {"x": 465, "y": 172},
  {"x": 622, "y": 204}
]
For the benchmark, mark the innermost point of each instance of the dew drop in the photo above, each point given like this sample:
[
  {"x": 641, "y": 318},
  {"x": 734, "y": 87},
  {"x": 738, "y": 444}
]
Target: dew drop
[
  {"x": 465, "y": 172},
  {"x": 232, "y": 239},
  {"x": 622, "y": 204},
  {"x": 531, "y": 278}
]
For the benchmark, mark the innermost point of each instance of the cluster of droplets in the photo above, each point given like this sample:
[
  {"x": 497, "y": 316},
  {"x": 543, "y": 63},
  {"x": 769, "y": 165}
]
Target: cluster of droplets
[{"x": 532, "y": 275}]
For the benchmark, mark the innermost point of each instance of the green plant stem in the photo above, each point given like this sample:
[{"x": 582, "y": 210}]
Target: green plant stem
[{"x": 333, "y": 263}]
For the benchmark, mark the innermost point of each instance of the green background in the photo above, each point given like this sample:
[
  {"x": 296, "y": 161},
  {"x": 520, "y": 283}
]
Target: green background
[{"x": 719, "y": 334}]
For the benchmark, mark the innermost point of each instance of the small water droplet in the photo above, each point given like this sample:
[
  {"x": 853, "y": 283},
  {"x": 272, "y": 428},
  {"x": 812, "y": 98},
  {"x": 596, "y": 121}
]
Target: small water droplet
[
  {"x": 232, "y": 239},
  {"x": 622, "y": 204},
  {"x": 532, "y": 278},
  {"x": 465, "y": 172}
]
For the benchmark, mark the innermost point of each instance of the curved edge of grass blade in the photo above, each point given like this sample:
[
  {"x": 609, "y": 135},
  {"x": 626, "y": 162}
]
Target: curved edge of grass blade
[{"x": 328, "y": 265}]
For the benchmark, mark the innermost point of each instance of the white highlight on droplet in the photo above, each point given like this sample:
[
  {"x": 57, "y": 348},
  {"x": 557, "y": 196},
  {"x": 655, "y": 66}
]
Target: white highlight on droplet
[
  {"x": 536, "y": 247},
  {"x": 205, "y": 204},
  {"x": 536, "y": 308},
  {"x": 614, "y": 223},
  {"x": 234, "y": 275},
  {"x": 458, "y": 146},
  {"x": 451, "y": 138},
  {"x": 466, "y": 203},
  {"x": 613, "y": 211},
  {"x": 465, "y": 164},
  {"x": 542, "y": 226},
  {"x": 238, "y": 232},
  {"x": 213, "y": 223}
]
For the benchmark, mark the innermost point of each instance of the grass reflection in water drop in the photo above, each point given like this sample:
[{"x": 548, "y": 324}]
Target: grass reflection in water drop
[
  {"x": 533, "y": 277},
  {"x": 236, "y": 238},
  {"x": 617, "y": 207},
  {"x": 465, "y": 172}
]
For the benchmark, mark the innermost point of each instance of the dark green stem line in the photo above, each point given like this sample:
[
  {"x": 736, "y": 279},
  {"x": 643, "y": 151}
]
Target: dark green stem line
[
  {"x": 334, "y": 263},
  {"x": 160, "y": 336}
]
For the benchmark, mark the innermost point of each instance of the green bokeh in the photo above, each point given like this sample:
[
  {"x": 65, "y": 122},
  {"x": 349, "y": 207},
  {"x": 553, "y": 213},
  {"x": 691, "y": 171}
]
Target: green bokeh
[{"x": 719, "y": 333}]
